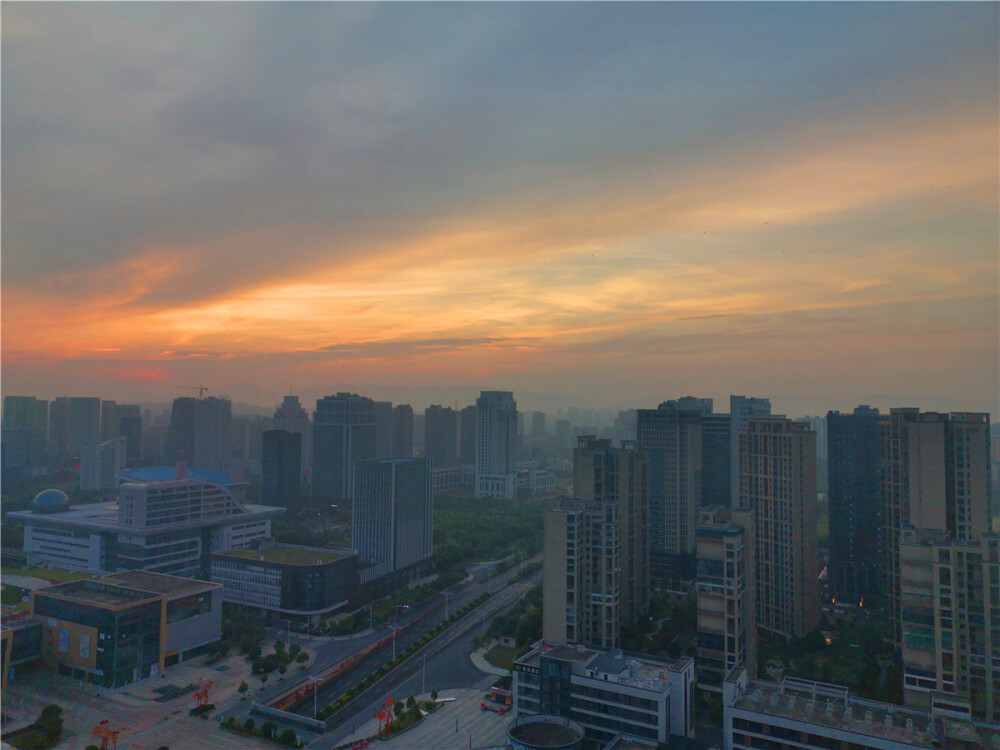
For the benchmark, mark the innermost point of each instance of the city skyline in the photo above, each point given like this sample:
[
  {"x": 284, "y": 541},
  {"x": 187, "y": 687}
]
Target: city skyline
[{"x": 613, "y": 204}]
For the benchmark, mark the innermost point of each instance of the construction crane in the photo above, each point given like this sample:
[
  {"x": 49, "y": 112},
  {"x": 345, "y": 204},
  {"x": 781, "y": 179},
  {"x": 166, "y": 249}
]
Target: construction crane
[
  {"x": 202, "y": 390},
  {"x": 201, "y": 696},
  {"x": 107, "y": 735}
]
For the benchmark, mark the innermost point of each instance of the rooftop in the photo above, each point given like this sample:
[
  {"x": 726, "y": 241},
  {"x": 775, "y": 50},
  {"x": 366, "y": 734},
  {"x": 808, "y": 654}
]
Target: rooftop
[
  {"x": 544, "y": 731},
  {"x": 105, "y": 516},
  {"x": 95, "y": 592},
  {"x": 289, "y": 555},
  {"x": 144, "y": 474},
  {"x": 556, "y": 651},
  {"x": 833, "y": 706},
  {"x": 159, "y": 583}
]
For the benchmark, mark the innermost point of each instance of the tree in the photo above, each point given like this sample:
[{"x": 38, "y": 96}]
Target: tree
[
  {"x": 263, "y": 679},
  {"x": 269, "y": 728},
  {"x": 289, "y": 738},
  {"x": 398, "y": 708},
  {"x": 411, "y": 702},
  {"x": 434, "y": 695},
  {"x": 249, "y": 724},
  {"x": 294, "y": 650},
  {"x": 302, "y": 658},
  {"x": 282, "y": 669},
  {"x": 243, "y": 687}
]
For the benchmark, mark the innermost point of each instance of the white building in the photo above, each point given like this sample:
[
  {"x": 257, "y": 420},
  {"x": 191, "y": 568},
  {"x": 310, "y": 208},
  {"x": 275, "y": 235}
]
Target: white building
[
  {"x": 496, "y": 445},
  {"x": 101, "y": 464},
  {"x": 802, "y": 715},
  {"x": 607, "y": 692},
  {"x": 164, "y": 527}
]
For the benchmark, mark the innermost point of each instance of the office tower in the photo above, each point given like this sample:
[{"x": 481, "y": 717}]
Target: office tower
[
  {"x": 291, "y": 417},
  {"x": 154, "y": 444},
  {"x": 101, "y": 464},
  {"x": 418, "y": 433},
  {"x": 213, "y": 434},
  {"x": 84, "y": 423},
  {"x": 180, "y": 432},
  {"x": 343, "y": 433},
  {"x": 934, "y": 474},
  {"x": 383, "y": 429},
  {"x": 281, "y": 467},
  {"x": 59, "y": 428},
  {"x": 393, "y": 519},
  {"x": 538, "y": 424},
  {"x": 520, "y": 423},
  {"x": 778, "y": 483},
  {"x": 130, "y": 427},
  {"x": 701, "y": 405},
  {"x": 109, "y": 420},
  {"x": 855, "y": 506},
  {"x": 727, "y": 607},
  {"x": 496, "y": 445},
  {"x": 440, "y": 436},
  {"x": 596, "y": 563},
  {"x": 31, "y": 415},
  {"x": 671, "y": 438},
  {"x": 741, "y": 409},
  {"x": 716, "y": 459},
  {"x": 402, "y": 431},
  {"x": 818, "y": 425},
  {"x": 626, "y": 426},
  {"x": 467, "y": 436},
  {"x": 563, "y": 431}
]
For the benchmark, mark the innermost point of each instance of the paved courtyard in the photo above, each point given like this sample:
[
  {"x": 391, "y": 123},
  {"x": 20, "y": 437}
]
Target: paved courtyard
[{"x": 455, "y": 726}]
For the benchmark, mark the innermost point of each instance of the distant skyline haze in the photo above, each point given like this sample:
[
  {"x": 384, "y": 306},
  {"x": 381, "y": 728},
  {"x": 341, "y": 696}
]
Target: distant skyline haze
[{"x": 591, "y": 204}]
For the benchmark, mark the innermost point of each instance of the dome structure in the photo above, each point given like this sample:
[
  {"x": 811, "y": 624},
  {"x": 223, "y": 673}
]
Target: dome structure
[{"x": 50, "y": 501}]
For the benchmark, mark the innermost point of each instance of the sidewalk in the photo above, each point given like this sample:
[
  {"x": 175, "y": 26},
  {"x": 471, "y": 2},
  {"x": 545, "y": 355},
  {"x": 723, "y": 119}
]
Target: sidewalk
[{"x": 479, "y": 660}]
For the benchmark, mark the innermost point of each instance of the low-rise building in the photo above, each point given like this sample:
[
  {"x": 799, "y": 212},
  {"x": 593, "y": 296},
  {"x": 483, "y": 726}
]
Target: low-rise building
[
  {"x": 607, "y": 692},
  {"x": 802, "y": 715},
  {"x": 450, "y": 478},
  {"x": 116, "y": 630},
  {"x": 535, "y": 481},
  {"x": 286, "y": 579}
]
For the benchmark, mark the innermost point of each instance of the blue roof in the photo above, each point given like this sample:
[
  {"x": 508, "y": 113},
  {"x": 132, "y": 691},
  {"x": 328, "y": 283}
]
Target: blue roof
[{"x": 164, "y": 473}]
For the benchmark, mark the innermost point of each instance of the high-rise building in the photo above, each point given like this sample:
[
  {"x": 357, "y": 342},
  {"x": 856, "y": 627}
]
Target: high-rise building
[
  {"x": 626, "y": 426},
  {"x": 393, "y": 519},
  {"x": 213, "y": 434},
  {"x": 778, "y": 483},
  {"x": 596, "y": 563},
  {"x": 402, "y": 431},
  {"x": 31, "y": 415},
  {"x": 59, "y": 428},
  {"x": 383, "y": 428},
  {"x": 440, "y": 436},
  {"x": 855, "y": 506},
  {"x": 934, "y": 474},
  {"x": 467, "y": 436},
  {"x": 101, "y": 464},
  {"x": 727, "y": 607},
  {"x": 281, "y": 468},
  {"x": 716, "y": 459},
  {"x": 538, "y": 424},
  {"x": 84, "y": 423},
  {"x": 818, "y": 425},
  {"x": 950, "y": 607},
  {"x": 180, "y": 432},
  {"x": 563, "y": 431},
  {"x": 290, "y": 416},
  {"x": 343, "y": 433},
  {"x": 496, "y": 445},
  {"x": 109, "y": 420},
  {"x": 130, "y": 427},
  {"x": 671, "y": 438},
  {"x": 741, "y": 409}
]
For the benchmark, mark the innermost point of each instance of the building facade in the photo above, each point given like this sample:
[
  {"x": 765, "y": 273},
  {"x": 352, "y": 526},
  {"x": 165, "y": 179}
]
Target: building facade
[
  {"x": 343, "y": 433},
  {"x": 855, "y": 505},
  {"x": 393, "y": 520},
  {"x": 741, "y": 409},
  {"x": 306, "y": 583},
  {"x": 440, "y": 436},
  {"x": 496, "y": 445},
  {"x": 213, "y": 424},
  {"x": 727, "y": 607},
  {"x": 935, "y": 474},
  {"x": 671, "y": 438},
  {"x": 716, "y": 459},
  {"x": 281, "y": 466},
  {"x": 291, "y": 417},
  {"x": 778, "y": 483},
  {"x": 607, "y": 692},
  {"x": 101, "y": 464},
  {"x": 402, "y": 431},
  {"x": 31, "y": 415},
  {"x": 950, "y": 608}
]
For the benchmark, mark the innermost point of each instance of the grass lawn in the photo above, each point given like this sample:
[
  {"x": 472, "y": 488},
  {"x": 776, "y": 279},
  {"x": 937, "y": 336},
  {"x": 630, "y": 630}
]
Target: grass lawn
[
  {"x": 502, "y": 656},
  {"x": 49, "y": 574}
]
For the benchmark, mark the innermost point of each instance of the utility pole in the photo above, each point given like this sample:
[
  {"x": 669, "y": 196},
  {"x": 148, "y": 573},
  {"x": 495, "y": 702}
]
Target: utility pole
[{"x": 423, "y": 675}]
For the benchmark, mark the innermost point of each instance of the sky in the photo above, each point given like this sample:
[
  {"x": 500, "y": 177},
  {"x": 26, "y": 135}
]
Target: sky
[{"x": 586, "y": 203}]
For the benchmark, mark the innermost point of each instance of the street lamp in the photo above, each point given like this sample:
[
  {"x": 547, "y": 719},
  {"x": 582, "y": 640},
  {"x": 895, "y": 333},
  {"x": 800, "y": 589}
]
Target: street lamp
[
  {"x": 315, "y": 694},
  {"x": 394, "y": 613},
  {"x": 447, "y": 596}
]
